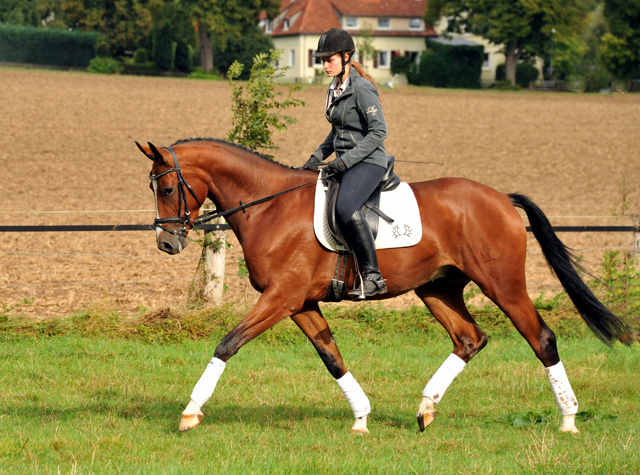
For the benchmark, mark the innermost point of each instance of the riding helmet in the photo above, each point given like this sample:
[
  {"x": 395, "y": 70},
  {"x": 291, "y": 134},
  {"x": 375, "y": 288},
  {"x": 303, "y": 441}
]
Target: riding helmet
[{"x": 334, "y": 41}]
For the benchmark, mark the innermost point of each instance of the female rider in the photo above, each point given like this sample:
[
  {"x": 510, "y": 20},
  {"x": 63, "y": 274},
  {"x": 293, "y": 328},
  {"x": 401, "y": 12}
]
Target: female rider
[{"x": 357, "y": 137}]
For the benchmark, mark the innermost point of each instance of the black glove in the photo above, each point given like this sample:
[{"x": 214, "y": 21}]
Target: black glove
[
  {"x": 313, "y": 163},
  {"x": 336, "y": 167}
]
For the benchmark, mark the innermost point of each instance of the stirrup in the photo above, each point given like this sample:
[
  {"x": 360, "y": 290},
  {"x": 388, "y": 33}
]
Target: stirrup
[{"x": 371, "y": 284}]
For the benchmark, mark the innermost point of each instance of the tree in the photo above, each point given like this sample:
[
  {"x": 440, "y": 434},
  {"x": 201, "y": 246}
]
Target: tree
[
  {"x": 226, "y": 20},
  {"x": 253, "y": 42},
  {"x": 620, "y": 48},
  {"x": 261, "y": 108},
  {"x": 124, "y": 23},
  {"x": 526, "y": 28},
  {"x": 365, "y": 47}
]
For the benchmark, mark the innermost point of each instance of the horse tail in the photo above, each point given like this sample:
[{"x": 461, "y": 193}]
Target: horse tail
[{"x": 563, "y": 263}]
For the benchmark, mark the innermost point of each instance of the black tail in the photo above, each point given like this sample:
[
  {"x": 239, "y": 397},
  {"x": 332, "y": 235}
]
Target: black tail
[{"x": 599, "y": 318}]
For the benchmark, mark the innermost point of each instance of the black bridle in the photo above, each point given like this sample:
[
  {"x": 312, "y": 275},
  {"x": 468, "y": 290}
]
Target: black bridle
[{"x": 183, "y": 186}]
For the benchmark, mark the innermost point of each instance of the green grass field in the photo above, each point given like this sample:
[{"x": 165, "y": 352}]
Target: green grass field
[{"x": 73, "y": 401}]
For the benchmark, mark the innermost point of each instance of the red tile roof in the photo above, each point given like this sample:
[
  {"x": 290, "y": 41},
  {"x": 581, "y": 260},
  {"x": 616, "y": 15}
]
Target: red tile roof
[{"x": 317, "y": 16}]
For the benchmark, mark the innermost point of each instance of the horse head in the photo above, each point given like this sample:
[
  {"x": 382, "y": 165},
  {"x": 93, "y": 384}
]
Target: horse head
[{"x": 177, "y": 203}]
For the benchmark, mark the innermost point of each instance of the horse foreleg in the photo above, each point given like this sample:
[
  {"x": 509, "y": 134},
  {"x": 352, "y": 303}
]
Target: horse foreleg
[
  {"x": 314, "y": 325},
  {"x": 446, "y": 302},
  {"x": 270, "y": 309}
]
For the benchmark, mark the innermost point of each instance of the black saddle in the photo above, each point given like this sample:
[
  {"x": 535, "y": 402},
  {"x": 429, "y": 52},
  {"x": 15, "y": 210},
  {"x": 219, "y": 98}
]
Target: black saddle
[{"x": 370, "y": 210}]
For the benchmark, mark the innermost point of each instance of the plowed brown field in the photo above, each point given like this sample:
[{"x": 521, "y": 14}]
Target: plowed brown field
[{"x": 67, "y": 156}]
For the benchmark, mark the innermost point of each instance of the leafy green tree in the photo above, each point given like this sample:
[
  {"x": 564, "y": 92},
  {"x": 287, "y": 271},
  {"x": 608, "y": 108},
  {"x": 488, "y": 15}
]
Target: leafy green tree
[
  {"x": 226, "y": 20},
  {"x": 620, "y": 47},
  {"x": 526, "y": 28},
  {"x": 124, "y": 23},
  {"x": 253, "y": 42},
  {"x": 19, "y": 12},
  {"x": 365, "y": 44},
  {"x": 260, "y": 110}
]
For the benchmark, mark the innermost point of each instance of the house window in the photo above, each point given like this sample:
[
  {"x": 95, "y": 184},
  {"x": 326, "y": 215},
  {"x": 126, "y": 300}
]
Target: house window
[
  {"x": 268, "y": 26},
  {"x": 314, "y": 61},
  {"x": 486, "y": 64},
  {"x": 415, "y": 23},
  {"x": 351, "y": 23},
  {"x": 384, "y": 23},
  {"x": 384, "y": 59},
  {"x": 292, "y": 57},
  {"x": 285, "y": 24}
]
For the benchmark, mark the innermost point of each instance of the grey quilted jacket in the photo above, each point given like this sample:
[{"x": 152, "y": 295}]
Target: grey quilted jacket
[{"x": 358, "y": 126}]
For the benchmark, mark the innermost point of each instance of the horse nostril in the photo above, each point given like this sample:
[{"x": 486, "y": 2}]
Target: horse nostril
[{"x": 165, "y": 246}]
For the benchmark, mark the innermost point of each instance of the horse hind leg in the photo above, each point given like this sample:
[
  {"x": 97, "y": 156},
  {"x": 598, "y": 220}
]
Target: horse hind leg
[
  {"x": 515, "y": 302},
  {"x": 314, "y": 325},
  {"x": 444, "y": 299}
]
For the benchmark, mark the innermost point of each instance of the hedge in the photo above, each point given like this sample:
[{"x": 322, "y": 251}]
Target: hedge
[
  {"x": 23, "y": 44},
  {"x": 443, "y": 65}
]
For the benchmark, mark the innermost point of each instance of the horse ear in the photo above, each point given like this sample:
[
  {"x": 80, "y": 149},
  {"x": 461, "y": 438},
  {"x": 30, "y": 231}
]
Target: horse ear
[
  {"x": 146, "y": 150},
  {"x": 156, "y": 153}
]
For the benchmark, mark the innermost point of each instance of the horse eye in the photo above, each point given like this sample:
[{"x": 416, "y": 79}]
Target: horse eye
[{"x": 166, "y": 191}]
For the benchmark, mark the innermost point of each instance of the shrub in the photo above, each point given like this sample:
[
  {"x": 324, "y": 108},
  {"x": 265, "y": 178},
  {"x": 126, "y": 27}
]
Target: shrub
[
  {"x": 525, "y": 74},
  {"x": 141, "y": 56},
  {"x": 105, "y": 66},
  {"x": 401, "y": 65},
  {"x": 22, "y": 44},
  {"x": 260, "y": 109},
  {"x": 445, "y": 65}
]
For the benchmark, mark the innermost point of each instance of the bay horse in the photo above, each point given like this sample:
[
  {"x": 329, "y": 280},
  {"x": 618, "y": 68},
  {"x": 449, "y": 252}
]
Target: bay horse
[{"x": 471, "y": 232}]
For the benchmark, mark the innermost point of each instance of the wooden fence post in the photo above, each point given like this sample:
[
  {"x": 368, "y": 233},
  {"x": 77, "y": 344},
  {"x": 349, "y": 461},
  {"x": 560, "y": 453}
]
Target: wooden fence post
[
  {"x": 635, "y": 220},
  {"x": 214, "y": 257}
]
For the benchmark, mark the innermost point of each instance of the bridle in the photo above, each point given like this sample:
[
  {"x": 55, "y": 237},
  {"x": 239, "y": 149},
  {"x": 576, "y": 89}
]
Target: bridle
[{"x": 183, "y": 186}]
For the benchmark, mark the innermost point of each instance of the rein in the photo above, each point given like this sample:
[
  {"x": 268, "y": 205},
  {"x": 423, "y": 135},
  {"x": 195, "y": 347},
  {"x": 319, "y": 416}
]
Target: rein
[{"x": 187, "y": 221}]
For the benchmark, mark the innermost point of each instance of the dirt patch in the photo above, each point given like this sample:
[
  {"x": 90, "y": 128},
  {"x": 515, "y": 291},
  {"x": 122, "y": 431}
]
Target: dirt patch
[{"x": 68, "y": 157}]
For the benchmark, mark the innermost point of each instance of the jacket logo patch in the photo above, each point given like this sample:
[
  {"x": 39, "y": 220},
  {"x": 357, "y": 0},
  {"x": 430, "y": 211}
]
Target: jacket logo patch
[{"x": 373, "y": 110}]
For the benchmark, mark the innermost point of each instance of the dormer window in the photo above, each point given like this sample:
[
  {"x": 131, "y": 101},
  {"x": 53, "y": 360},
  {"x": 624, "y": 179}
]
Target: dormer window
[
  {"x": 285, "y": 24},
  {"x": 415, "y": 23},
  {"x": 384, "y": 23},
  {"x": 268, "y": 26}
]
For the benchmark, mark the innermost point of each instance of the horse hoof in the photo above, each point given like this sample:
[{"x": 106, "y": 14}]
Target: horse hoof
[
  {"x": 360, "y": 431},
  {"x": 569, "y": 424},
  {"x": 190, "y": 421},
  {"x": 425, "y": 419}
]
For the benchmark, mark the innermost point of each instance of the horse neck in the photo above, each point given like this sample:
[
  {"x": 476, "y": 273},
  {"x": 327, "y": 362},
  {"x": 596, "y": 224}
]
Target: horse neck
[{"x": 237, "y": 175}]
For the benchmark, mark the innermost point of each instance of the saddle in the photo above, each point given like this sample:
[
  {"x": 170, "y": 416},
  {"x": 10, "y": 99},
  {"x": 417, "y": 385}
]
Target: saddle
[{"x": 370, "y": 210}]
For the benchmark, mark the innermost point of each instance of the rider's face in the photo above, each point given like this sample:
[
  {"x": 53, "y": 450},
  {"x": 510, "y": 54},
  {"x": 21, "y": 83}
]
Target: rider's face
[{"x": 332, "y": 65}]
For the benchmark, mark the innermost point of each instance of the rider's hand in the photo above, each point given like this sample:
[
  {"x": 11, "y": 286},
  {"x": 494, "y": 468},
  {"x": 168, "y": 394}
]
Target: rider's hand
[
  {"x": 313, "y": 163},
  {"x": 336, "y": 167}
]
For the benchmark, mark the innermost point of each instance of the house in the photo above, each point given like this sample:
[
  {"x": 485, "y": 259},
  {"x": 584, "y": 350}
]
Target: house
[{"x": 394, "y": 26}]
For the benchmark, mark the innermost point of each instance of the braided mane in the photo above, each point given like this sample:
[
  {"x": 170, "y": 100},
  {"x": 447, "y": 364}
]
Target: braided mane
[{"x": 231, "y": 144}]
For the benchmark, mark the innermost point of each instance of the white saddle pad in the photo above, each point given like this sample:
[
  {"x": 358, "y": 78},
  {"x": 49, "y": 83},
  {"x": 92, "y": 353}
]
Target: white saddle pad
[{"x": 399, "y": 204}]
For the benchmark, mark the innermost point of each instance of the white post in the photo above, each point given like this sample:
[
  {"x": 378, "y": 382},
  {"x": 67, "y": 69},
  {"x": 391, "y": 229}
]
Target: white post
[{"x": 214, "y": 257}]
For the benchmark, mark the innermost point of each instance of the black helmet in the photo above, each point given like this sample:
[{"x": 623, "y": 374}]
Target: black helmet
[{"x": 334, "y": 41}]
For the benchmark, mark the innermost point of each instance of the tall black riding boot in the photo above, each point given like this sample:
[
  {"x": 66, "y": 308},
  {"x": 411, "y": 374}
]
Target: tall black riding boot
[{"x": 358, "y": 235}]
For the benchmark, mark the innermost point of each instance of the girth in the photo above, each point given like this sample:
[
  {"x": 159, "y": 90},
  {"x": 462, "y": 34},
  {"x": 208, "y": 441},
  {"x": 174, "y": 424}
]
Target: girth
[{"x": 371, "y": 208}]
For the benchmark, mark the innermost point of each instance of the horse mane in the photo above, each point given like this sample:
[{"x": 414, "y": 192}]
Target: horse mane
[{"x": 231, "y": 144}]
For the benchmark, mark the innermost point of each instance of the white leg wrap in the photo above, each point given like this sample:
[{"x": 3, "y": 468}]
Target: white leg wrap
[
  {"x": 443, "y": 378},
  {"x": 358, "y": 400},
  {"x": 204, "y": 387},
  {"x": 565, "y": 397}
]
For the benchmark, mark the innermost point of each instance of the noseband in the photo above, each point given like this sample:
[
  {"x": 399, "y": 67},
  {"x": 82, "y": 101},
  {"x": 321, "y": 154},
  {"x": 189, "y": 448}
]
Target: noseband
[{"x": 183, "y": 186}]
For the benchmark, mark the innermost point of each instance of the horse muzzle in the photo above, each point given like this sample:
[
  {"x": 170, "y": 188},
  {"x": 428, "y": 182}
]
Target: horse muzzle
[{"x": 171, "y": 243}]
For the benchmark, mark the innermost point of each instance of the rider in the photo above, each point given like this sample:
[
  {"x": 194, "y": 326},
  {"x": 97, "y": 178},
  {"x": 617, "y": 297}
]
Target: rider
[{"x": 357, "y": 137}]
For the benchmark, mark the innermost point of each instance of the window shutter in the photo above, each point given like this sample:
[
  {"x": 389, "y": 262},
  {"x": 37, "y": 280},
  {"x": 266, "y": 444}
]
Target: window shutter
[{"x": 311, "y": 58}]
